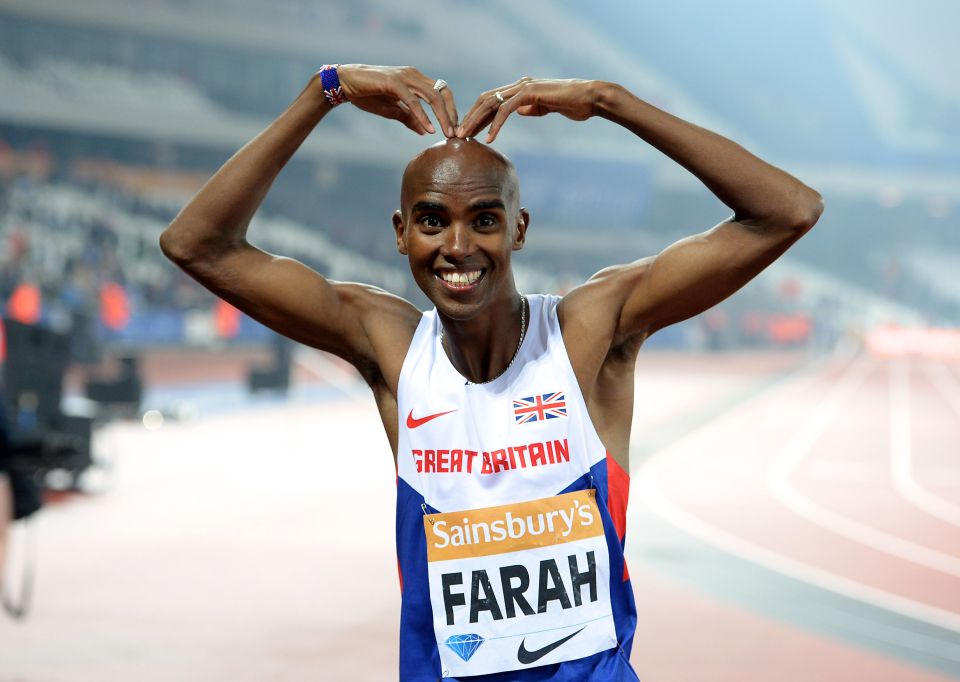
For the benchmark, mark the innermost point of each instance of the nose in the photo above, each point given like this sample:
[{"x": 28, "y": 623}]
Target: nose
[{"x": 458, "y": 241}]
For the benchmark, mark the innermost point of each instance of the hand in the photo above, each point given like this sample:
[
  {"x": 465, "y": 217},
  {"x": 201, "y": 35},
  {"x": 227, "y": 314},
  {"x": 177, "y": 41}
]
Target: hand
[
  {"x": 529, "y": 97},
  {"x": 395, "y": 92}
]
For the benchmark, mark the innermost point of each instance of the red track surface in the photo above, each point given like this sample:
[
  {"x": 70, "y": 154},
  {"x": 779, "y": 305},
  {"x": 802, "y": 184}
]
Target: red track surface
[
  {"x": 809, "y": 477},
  {"x": 234, "y": 548},
  {"x": 685, "y": 636}
]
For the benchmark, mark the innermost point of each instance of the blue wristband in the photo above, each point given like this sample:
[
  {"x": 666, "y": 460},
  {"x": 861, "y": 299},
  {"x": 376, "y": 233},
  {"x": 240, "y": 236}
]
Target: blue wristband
[{"x": 331, "y": 84}]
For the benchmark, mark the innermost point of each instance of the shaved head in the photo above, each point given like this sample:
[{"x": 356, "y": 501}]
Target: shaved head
[
  {"x": 460, "y": 164},
  {"x": 460, "y": 217}
]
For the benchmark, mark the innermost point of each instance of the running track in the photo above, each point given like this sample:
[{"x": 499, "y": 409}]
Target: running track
[
  {"x": 792, "y": 518},
  {"x": 827, "y": 498}
]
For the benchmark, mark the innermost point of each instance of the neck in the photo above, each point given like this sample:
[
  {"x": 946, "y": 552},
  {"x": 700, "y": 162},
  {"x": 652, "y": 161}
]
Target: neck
[{"x": 482, "y": 348}]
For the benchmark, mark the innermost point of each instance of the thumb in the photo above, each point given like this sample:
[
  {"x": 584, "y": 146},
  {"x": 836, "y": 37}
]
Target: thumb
[{"x": 531, "y": 110}]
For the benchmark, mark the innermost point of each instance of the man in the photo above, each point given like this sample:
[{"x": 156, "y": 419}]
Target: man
[{"x": 508, "y": 415}]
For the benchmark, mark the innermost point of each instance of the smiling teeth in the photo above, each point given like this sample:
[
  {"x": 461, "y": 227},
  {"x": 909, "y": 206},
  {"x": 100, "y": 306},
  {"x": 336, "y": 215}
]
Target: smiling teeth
[{"x": 460, "y": 278}]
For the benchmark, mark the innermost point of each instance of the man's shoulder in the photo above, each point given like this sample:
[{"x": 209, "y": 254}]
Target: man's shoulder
[
  {"x": 365, "y": 299},
  {"x": 389, "y": 322},
  {"x": 606, "y": 291}
]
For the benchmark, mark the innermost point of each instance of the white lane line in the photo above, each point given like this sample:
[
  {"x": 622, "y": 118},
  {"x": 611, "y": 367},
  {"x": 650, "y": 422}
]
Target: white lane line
[
  {"x": 946, "y": 383},
  {"x": 901, "y": 451},
  {"x": 648, "y": 480},
  {"x": 787, "y": 461}
]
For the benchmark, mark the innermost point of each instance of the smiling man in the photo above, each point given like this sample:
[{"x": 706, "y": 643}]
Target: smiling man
[
  {"x": 508, "y": 414},
  {"x": 459, "y": 222}
]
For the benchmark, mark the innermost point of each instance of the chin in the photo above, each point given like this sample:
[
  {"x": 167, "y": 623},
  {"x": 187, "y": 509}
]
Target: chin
[
  {"x": 458, "y": 303},
  {"x": 457, "y": 310}
]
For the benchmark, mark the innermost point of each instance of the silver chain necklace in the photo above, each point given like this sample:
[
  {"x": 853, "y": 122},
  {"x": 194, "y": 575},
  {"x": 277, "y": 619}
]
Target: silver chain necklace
[{"x": 523, "y": 333}]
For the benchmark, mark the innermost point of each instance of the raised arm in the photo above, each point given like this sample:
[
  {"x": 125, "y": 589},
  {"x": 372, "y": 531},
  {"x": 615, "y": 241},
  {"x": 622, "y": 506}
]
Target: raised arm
[
  {"x": 771, "y": 209},
  {"x": 208, "y": 238}
]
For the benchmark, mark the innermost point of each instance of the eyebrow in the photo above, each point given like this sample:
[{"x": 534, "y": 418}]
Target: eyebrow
[
  {"x": 427, "y": 207},
  {"x": 488, "y": 204},
  {"x": 433, "y": 207}
]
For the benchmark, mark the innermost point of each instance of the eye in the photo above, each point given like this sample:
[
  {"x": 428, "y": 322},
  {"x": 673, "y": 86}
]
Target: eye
[
  {"x": 486, "y": 220},
  {"x": 431, "y": 221}
]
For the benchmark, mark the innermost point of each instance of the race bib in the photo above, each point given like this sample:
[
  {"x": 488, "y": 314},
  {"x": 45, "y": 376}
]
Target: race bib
[{"x": 519, "y": 585}]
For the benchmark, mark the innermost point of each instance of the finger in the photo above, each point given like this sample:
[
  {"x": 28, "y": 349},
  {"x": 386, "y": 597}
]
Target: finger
[
  {"x": 520, "y": 98},
  {"x": 465, "y": 129},
  {"x": 433, "y": 96},
  {"x": 531, "y": 110},
  {"x": 451, "y": 106},
  {"x": 396, "y": 110},
  {"x": 515, "y": 97},
  {"x": 401, "y": 112},
  {"x": 480, "y": 115},
  {"x": 412, "y": 102},
  {"x": 486, "y": 106}
]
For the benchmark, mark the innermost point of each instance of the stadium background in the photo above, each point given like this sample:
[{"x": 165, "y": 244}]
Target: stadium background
[{"x": 222, "y": 506}]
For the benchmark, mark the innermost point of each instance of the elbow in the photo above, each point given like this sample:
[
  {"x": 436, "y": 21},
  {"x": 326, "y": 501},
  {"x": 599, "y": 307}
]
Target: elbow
[
  {"x": 179, "y": 243},
  {"x": 173, "y": 247},
  {"x": 793, "y": 217},
  {"x": 807, "y": 211},
  {"x": 193, "y": 248},
  {"x": 796, "y": 215}
]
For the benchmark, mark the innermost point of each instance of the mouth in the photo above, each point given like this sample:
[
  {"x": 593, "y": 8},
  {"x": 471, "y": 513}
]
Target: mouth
[{"x": 460, "y": 280}]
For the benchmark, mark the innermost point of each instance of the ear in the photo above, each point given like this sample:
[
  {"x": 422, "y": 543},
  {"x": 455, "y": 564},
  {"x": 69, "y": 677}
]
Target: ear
[
  {"x": 400, "y": 229},
  {"x": 520, "y": 235}
]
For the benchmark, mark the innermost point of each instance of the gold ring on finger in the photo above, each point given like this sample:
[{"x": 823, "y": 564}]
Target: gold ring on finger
[{"x": 499, "y": 96}]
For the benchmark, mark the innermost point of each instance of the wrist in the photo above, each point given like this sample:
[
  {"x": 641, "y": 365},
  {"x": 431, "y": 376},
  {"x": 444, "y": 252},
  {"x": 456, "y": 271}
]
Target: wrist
[
  {"x": 330, "y": 84},
  {"x": 605, "y": 97},
  {"x": 313, "y": 97}
]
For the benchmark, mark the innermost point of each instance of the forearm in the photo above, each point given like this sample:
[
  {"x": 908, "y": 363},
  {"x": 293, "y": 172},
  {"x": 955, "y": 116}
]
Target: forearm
[
  {"x": 759, "y": 194},
  {"x": 216, "y": 219}
]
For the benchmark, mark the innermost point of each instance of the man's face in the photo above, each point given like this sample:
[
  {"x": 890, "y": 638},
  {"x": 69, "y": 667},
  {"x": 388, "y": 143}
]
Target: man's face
[{"x": 458, "y": 223}]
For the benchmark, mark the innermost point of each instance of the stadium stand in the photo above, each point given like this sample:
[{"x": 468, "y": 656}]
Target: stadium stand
[{"x": 109, "y": 123}]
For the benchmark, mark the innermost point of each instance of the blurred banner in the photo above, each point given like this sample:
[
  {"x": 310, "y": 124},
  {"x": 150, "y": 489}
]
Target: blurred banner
[
  {"x": 578, "y": 190},
  {"x": 925, "y": 342}
]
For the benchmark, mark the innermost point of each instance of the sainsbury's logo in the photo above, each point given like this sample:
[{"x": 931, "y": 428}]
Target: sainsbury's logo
[{"x": 509, "y": 528}]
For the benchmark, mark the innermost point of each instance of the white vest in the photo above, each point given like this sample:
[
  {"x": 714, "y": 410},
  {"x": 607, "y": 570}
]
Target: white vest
[{"x": 513, "y": 565}]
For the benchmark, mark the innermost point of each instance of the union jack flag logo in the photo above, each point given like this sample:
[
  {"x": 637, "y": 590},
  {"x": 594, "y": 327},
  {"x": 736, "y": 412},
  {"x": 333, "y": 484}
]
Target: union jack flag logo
[
  {"x": 335, "y": 95},
  {"x": 539, "y": 407}
]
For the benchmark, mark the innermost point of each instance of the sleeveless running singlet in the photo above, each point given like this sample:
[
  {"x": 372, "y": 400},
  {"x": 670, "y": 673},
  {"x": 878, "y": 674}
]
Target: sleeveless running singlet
[{"x": 510, "y": 520}]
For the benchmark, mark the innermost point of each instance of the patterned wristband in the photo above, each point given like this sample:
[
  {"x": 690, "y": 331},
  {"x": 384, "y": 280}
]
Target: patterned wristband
[{"x": 331, "y": 84}]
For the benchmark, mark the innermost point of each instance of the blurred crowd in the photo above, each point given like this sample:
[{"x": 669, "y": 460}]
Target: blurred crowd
[
  {"x": 80, "y": 252},
  {"x": 113, "y": 131},
  {"x": 81, "y": 255}
]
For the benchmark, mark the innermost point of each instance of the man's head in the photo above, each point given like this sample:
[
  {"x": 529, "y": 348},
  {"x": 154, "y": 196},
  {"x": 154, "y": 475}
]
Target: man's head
[{"x": 459, "y": 220}]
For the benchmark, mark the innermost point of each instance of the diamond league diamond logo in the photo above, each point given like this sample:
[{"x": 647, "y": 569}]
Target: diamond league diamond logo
[{"x": 464, "y": 646}]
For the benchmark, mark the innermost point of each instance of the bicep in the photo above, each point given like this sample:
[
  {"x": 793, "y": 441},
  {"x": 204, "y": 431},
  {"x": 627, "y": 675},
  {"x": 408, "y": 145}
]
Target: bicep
[
  {"x": 289, "y": 297},
  {"x": 695, "y": 273}
]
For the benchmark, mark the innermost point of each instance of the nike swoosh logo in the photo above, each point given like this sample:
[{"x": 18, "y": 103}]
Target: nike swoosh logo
[
  {"x": 413, "y": 423},
  {"x": 528, "y": 657}
]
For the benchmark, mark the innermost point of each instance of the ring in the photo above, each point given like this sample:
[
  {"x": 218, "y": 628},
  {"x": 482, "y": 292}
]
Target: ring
[
  {"x": 499, "y": 96},
  {"x": 439, "y": 85}
]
